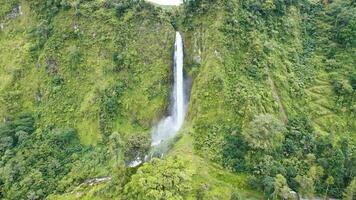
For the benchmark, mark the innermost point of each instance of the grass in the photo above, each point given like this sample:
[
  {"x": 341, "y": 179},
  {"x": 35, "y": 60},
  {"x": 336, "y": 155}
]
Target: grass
[
  {"x": 217, "y": 181},
  {"x": 85, "y": 193}
]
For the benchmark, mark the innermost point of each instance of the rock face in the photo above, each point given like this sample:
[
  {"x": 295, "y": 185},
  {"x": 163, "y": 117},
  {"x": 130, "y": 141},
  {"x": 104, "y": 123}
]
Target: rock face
[
  {"x": 97, "y": 180},
  {"x": 15, "y": 12}
]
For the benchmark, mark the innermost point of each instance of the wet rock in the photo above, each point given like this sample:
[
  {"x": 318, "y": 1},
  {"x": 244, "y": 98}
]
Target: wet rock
[
  {"x": 15, "y": 12},
  {"x": 97, "y": 180}
]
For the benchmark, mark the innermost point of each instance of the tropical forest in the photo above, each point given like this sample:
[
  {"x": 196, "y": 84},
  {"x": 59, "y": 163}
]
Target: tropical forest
[{"x": 178, "y": 99}]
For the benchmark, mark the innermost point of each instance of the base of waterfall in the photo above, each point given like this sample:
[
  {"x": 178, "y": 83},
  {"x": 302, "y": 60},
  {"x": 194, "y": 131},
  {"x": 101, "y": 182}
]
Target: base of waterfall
[{"x": 157, "y": 151}]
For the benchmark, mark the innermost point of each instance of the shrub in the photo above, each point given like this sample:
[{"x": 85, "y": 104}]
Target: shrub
[{"x": 160, "y": 179}]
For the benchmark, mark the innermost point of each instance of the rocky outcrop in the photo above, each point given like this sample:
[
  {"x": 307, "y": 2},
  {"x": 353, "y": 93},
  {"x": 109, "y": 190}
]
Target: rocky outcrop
[{"x": 13, "y": 14}]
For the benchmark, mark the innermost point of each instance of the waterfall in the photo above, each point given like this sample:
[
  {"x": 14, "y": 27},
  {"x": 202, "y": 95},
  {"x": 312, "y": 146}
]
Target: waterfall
[
  {"x": 178, "y": 83},
  {"x": 167, "y": 127}
]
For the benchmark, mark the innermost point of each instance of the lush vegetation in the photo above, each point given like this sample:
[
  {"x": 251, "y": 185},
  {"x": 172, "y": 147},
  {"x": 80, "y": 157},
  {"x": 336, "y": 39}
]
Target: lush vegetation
[
  {"x": 272, "y": 106},
  {"x": 82, "y": 82},
  {"x": 272, "y": 96}
]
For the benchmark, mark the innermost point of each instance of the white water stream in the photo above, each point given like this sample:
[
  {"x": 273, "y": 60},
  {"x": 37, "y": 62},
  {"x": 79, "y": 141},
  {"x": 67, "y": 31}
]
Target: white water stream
[{"x": 168, "y": 127}]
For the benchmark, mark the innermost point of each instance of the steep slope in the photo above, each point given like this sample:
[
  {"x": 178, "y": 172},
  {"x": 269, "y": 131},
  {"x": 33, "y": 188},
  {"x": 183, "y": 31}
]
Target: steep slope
[
  {"x": 85, "y": 51},
  {"x": 94, "y": 67},
  {"x": 250, "y": 59}
]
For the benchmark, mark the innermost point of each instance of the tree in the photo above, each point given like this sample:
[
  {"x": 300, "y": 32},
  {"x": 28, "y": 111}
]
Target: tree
[
  {"x": 22, "y": 136},
  {"x": 6, "y": 143},
  {"x": 39, "y": 164},
  {"x": 343, "y": 17},
  {"x": 281, "y": 189},
  {"x": 268, "y": 186},
  {"x": 336, "y": 170},
  {"x": 15, "y": 131},
  {"x": 306, "y": 186},
  {"x": 350, "y": 192},
  {"x": 265, "y": 133},
  {"x": 235, "y": 196},
  {"x": 352, "y": 80},
  {"x": 300, "y": 138},
  {"x": 234, "y": 151},
  {"x": 160, "y": 179},
  {"x": 307, "y": 182},
  {"x": 122, "y": 7},
  {"x": 329, "y": 181},
  {"x": 116, "y": 144},
  {"x": 137, "y": 147}
]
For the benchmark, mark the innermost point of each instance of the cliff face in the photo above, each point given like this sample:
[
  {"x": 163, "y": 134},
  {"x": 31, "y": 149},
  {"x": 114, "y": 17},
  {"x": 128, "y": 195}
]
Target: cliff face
[
  {"x": 64, "y": 66},
  {"x": 77, "y": 69}
]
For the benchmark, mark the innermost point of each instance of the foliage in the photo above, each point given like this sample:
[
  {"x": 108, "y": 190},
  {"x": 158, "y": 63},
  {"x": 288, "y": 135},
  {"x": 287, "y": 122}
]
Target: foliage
[
  {"x": 350, "y": 192},
  {"x": 60, "y": 69},
  {"x": 137, "y": 147},
  {"x": 38, "y": 164},
  {"x": 285, "y": 58},
  {"x": 102, "y": 68},
  {"x": 300, "y": 138},
  {"x": 235, "y": 196},
  {"x": 307, "y": 182},
  {"x": 234, "y": 152},
  {"x": 160, "y": 179},
  {"x": 281, "y": 189},
  {"x": 265, "y": 133},
  {"x": 344, "y": 22},
  {"x": 15, "y": 132}
]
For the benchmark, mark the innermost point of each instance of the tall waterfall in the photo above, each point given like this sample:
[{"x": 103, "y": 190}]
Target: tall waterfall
[
  {"x": 178, "y": 83},
  {"x": 169, "y": 126}
]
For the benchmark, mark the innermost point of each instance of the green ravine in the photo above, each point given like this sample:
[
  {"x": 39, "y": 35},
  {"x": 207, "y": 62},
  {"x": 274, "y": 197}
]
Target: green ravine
[{"x": 272, "y": 105}]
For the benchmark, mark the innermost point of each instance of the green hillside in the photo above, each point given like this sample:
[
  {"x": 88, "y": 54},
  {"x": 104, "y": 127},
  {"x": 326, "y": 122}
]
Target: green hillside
[{"x": 272, "y": 105}]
